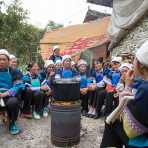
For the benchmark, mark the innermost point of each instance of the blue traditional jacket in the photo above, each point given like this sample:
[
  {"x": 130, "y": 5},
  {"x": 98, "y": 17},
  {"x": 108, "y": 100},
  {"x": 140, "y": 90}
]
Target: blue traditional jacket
[{"x": 10, "y": 80}]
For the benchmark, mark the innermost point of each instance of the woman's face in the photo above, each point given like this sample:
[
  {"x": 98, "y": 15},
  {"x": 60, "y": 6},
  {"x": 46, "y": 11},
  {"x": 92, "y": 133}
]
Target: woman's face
[
  {"x": 73, "y": 66},
  {"x": 58, "y": 66},
  {"x": 82, "y": 68},
  {"x": 124, "y": 72},
  {"x": 13, "y": 63},
  {"x": 67, "y": 63},
  {"x": 50, "y": 69},
  {"x": 136, "y": 68},
  {"x": 115, "y": 65},
  {"x": 4, "y": 62},
  {"x": 34, "y": 69},
  {"x": 57, "y": 52},
  {"x": 98, "y": 66}
]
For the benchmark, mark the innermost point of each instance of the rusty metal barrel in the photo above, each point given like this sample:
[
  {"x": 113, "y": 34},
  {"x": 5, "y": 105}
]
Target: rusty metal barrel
[{"x": 65, "y": 124}]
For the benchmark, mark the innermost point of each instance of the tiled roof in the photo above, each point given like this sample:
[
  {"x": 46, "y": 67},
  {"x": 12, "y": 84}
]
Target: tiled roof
[
  {"x": 85, "y": 43},
  {"x": 108, "y": 3},
  {"x": 74, "y": 37},
  {"x": 92, "y": 15}
]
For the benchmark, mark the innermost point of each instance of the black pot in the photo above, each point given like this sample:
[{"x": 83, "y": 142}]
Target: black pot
[{"x": 66, "y": 90}]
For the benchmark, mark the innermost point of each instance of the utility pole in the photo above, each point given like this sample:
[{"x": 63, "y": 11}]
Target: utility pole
[{"x": 37, "y": 57}]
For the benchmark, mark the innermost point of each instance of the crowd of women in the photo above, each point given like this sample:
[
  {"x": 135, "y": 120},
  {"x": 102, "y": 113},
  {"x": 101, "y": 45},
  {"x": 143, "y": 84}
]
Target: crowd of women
[
  {"x": 28, "y": 95},
  {"x": 130, "y": 128}
]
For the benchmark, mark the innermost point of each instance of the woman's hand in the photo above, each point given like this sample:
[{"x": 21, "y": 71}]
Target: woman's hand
[
  {"x": 48, "y": 93},
  {"x": 83, "y": 91},
  {"x": 52, "y": 73},
  {"x": 3, "y": 95},
  {"x": 126, "y": 92},
  {"x": 92, "y": 87},
  {"x": 129, "y": 78},
  {"x": 44, "y": 87}
]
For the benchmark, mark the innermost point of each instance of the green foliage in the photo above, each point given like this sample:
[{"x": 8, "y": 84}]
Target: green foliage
[
  {"x": 52, "y": 25},
  {"x": 16, "y": 35}
]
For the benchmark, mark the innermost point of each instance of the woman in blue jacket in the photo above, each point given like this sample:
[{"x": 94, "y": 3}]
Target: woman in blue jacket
[
  {"x": 33, "y": 95},
  {"x": 98, "y": 93},
  {"x": 50, "y": 68},
  {"x": 113, "y": 75},
  {"x": 82, "y": 73},
  {"x": 10, "y": 85},
  {"x": 66, "y": 71}
]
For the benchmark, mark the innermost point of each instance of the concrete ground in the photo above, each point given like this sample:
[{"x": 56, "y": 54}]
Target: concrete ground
[{"x": 36, "y": 134}]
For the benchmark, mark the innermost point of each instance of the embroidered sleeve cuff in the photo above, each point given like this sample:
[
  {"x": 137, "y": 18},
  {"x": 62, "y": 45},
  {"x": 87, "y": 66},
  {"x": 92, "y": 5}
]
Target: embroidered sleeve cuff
[
  {"x": 12, "y": 92},
  {"x": 128, "y": 88},
  {"x": 101, "y": 84}
]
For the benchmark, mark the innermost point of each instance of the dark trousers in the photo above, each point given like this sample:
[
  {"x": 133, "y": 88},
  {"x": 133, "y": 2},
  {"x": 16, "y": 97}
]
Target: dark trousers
[
  {"x": 37, "y": 98},
  {"x": 110, "y": 103},
  {"x": 12, "y": 107},
  {"x": 96, "y": 99},
  {"x": 100, "y": 99},
  {"x": 34, "y": 99},
  {"x": 45, "y": 100},
  {"x": 114, "y": 136},
  {"x": 84, "y": 102},
  {"x": 92, "y": 98},
  {"x": 27, "y": 101}
]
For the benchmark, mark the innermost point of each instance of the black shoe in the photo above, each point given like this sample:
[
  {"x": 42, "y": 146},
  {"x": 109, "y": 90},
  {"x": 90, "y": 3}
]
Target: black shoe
[
  {"x": 87, "y": 115},
  {"x": 91, "y": 116},
  {"x": 96, "y": 116},
  {"x": 84, "y": 112}
]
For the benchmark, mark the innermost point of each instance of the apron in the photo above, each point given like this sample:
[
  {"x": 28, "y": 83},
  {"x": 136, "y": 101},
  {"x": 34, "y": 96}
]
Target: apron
[
  {"x": 83, "y": 81},
  {"x": 67, "y": 73},
  {"x": 99, "y": 77},
  {"x": 35, "y": 84}
]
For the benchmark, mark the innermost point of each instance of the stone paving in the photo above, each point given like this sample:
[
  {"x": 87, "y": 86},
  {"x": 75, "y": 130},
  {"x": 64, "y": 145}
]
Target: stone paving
[{"x": 36, "y": 134}]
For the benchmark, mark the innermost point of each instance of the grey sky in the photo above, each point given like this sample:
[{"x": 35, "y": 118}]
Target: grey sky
[{"x": 66, "y": 12}]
